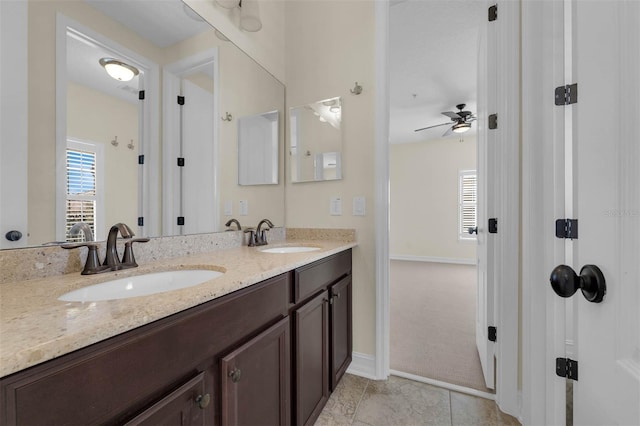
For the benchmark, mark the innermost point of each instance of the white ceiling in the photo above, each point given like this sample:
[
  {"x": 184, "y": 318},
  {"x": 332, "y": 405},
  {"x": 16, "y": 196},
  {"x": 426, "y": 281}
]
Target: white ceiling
[
  {"x": 433, "y": 60},
  {"x": 161, "y": 22}
]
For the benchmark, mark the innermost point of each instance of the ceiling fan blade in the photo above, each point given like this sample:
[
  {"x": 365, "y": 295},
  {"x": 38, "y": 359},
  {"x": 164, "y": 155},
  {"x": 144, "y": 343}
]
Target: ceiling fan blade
[
  {"x": 431, "y": 127},
  {"x": 448, "y": 132},
  {"x": 453, "y": 115}
]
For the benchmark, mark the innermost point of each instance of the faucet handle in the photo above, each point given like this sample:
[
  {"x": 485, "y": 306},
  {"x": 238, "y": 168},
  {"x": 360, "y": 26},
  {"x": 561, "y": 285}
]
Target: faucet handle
[
  {"x": 92, "y": 265},
  {"x": 252, "y": 236},
  {"x": 128, "y": 259}
]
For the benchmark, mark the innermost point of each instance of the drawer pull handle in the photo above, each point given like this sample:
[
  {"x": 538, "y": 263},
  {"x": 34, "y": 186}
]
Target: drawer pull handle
[
  {"x": 203, "y": 400},
  {"x": 235, "y": 375}
]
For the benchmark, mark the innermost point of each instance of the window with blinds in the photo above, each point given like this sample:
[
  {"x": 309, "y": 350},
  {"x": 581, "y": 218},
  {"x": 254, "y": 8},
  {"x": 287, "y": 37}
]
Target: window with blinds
[
  {"x": 81, "y": 191},
  {"x": 467, "y": 206}
]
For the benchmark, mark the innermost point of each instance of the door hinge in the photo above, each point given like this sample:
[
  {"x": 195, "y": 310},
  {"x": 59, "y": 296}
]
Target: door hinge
[
  {"x": 180, "y": 100},
  {"x": 566, "y": 367},
  {"x": 567, "y": 95},
  {"x": 180, "y": 220},
  {"x": 493, "y": 333},
  {"x": 180, "y": 161},
  {"x": 141, "y": 95},
  {"x": 493, "y": 225},
  {"x": 140, "y": 159},
  {"x": 141, "y": 221},
  {"x": 493, "y": 13},
  {"x": 567, "y": 228},
  {"x": 493, "y": 121}
]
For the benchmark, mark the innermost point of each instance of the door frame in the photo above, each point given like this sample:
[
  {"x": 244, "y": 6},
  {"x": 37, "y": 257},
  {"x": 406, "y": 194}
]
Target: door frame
[
  {"x": 508, "y": 284},
  {"x": 543, "y": 133}
]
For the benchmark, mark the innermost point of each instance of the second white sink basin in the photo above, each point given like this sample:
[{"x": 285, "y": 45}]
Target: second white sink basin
[
  {"x": 290, "y": 249},
  {"x": 141, "y": 285}
]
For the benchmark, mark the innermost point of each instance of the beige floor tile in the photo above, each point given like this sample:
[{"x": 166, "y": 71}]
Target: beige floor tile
[
  {"x": 471, "y": 410},
  {"x": 399, "y": 401},
  {"x": 344, "y": 400}
]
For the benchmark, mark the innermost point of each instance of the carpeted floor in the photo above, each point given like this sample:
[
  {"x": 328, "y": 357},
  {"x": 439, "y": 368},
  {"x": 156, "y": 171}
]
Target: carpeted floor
[{"x": 433, "y": 309}]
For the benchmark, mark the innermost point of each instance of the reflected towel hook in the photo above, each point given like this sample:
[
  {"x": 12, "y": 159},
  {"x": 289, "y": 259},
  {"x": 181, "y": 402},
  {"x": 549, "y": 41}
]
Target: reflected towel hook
[
  {"x": 357, "y": 89},
  {"x": 115, "y": 142},
  {"x": 227, "y": 117},
  {"x": 130, "y": 145}
]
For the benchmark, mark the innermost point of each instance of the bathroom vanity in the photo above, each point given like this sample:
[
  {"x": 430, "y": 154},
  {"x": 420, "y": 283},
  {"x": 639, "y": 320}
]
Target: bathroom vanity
[{"x": 267, "y": 353}]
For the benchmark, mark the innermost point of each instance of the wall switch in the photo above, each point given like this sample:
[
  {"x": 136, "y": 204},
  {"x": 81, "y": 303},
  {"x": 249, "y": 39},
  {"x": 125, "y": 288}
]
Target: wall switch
[
  {"x": 244, "y": 207},
  {"x": 335, "y": 206},
  {"x": 228, "y": 208},
  {"x": 359, "y": 206}
]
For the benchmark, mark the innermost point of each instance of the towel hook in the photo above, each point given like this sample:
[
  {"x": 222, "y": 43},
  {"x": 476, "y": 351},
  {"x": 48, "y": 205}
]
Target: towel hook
[
  {"x": 227, "y": 117},
  {"x": 357, "y": 89}
]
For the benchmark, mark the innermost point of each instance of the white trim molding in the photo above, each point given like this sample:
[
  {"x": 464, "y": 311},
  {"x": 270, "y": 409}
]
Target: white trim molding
[
  {"x": 434, "y": 259},
  {"x": 363, "y": 365}
]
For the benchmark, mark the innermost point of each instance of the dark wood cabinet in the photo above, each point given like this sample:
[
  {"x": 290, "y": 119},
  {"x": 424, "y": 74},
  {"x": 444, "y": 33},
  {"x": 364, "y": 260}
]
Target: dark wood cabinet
[
  {"x": 311, "y": 328},
  {"x": 183, "y": 407},
  {"x": 341, "y": 336},
  {"x": 321, "y": 332},
  {"x": 269, "y": 354},
  {"x": 255, "y": 380}
]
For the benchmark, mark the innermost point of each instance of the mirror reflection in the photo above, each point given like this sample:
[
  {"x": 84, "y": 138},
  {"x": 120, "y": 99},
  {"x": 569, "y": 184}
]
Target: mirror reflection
[
  {"x": 150, "y": 151},
  {"x": 258, "y": 149},
  {"x": 316, "y": 141}
]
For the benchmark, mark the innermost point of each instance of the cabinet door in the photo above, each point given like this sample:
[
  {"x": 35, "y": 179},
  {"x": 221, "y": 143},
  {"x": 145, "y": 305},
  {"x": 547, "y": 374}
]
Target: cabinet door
[
  {"x": 255, "y": 380},
  {"x": 311, "y": 325},
  {"x": 341, "y": 336},
  {"x": 185, "y": 406}
]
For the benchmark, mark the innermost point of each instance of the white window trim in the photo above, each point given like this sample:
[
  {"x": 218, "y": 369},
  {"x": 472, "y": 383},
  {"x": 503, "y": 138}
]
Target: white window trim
[{"x": 463, "y": 234}]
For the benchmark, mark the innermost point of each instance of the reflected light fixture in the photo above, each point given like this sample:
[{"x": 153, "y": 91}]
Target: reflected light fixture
[
  {"x": 461, "y": 127},
  {"x": 249, "y": 13},
  {"x": 118, "y": 70}
]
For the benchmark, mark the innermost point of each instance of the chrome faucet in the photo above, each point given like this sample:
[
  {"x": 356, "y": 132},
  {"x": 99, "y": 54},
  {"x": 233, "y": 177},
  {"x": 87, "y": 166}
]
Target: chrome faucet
[
  {"x": 111, "y": 257},
  {"x": 231, "y": 221},
  {"x": 261, "y": 236}
]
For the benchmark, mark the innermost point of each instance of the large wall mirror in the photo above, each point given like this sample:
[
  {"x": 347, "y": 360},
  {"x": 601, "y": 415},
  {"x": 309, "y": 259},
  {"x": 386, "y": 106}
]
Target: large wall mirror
[
  {"x": 152, "y": 150},
  {"x": 316, "y": 141}
]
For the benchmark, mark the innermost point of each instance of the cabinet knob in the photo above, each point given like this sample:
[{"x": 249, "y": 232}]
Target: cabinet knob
[
  {"x": 235, "y": 375},
  {"x": 203, "y": 400}
]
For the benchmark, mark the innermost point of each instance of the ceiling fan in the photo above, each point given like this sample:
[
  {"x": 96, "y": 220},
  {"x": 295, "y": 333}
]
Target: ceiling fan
[{"x": 460, "y": 121}]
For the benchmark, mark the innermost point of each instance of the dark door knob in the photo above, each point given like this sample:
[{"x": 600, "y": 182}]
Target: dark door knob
[
  {"x": 13, "y": 235},
  {"x": 565, "y": 282},
  {"x": 473, "y": 230}
]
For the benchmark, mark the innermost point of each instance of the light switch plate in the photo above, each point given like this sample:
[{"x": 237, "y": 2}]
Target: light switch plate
[
  {"x": 228, "y": 208},
  {"x": 359, "y": 206},
  {"x": 335, "y": 206},
  {"x": 244, "y": 207}
]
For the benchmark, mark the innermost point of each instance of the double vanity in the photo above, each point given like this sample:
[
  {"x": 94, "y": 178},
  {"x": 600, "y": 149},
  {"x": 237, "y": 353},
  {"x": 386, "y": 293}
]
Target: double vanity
[{"x": 263, "y": 339}]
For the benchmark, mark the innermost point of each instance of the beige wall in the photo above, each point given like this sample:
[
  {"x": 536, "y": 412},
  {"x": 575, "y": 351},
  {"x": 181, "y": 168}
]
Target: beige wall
[
  {"x": 95, "y": 117},
  {"x": 424, "y": 198},
  {"x": 330, "y": 46}
]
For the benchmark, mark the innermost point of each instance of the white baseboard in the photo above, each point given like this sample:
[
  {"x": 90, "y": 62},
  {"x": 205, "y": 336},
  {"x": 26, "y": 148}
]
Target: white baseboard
[
  {"x": 363, "y": 365},
  {"x": 434, "y": 259},
  {"x": 445, "y": 385}
]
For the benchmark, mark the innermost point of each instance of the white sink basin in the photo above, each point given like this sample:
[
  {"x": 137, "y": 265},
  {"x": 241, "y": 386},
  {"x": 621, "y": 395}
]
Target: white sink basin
[
  {"x": 289, "y": 249},
  {"x": 141, "y": 285}
]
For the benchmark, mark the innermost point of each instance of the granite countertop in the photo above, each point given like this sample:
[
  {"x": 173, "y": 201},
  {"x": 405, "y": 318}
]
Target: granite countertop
[{"x": 36, "y": 327}]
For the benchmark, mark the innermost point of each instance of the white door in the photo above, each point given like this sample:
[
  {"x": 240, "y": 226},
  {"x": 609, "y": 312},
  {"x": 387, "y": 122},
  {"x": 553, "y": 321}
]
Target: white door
[
  {"x": 198, "y": 179},
  {"x": 606, "y": 199},
  {"x": 485, "y": 207}
]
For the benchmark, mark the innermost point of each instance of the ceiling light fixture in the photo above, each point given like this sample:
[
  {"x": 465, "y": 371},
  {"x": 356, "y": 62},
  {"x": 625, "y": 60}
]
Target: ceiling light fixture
[
  {"x": 249, "y": 13},
  {"x": 461, "y": 127},
  {"x": 119, "y": 70}
]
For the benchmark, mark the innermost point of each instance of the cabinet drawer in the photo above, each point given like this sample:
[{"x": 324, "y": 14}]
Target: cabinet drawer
[{"x": 311, "y": 278}]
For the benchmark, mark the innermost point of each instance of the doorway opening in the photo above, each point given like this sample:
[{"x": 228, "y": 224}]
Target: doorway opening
[{"x": 433, "y": 256}]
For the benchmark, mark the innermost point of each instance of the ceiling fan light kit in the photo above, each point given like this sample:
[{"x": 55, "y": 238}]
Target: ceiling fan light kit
[{"x": 460, "y": 121}]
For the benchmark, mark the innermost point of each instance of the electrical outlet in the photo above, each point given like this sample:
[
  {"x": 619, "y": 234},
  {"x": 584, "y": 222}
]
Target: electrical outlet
[
  {"x": 359, "y": 206},
  {"x": 244, "y": 207},
  {"x": 335, "y": 206},
  {"x": 228, "y": 208}
]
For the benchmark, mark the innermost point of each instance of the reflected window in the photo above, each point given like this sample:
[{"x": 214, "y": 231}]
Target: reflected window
[{"x": 82, "y": 182}]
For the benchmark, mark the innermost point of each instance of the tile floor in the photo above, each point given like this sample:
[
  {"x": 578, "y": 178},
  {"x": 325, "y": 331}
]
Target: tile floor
[{"x": 362, "y": 402}]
